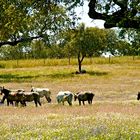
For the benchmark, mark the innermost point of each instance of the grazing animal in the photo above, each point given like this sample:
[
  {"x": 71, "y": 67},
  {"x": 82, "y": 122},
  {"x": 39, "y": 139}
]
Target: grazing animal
[
  {"x": 32, "y": 96},
  {"x": 138, "y": 96},
  {"x": 21, "y": 96},
  {"x": 12, "y": 96},
  {"x": 43, "y": 92},
  {"x": 84, "y": 96},
  {"x": 63, "y": 96},
  {"x": 11, "y": 93}
]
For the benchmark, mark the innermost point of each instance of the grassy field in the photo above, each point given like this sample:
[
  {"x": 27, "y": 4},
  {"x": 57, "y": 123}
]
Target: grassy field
[{"x": 114, "y": 114}]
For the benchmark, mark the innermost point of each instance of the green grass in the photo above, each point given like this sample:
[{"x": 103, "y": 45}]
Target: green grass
[{"x": 114, "y": 114}]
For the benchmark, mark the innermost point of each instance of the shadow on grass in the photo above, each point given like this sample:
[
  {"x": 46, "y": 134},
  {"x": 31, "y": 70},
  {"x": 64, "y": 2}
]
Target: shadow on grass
[
  {"x": 97, "y": 73},
  {"x": 73, "y": 74},
  {"x": 17, "y": 77},
  {"x": 60, "y": 75}
]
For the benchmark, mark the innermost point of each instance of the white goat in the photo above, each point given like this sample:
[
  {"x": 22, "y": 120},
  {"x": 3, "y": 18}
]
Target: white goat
[
  {"x": 63, "y": 96},
  {"x": 43, "y": 92}
]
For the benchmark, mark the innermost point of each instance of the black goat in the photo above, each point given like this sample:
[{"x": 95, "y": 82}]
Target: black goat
[{"x": 84, "y": 96}]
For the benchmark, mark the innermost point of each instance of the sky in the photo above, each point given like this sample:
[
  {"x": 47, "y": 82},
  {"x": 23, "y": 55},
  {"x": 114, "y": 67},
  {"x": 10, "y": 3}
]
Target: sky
[{"x": 83, "y": 13}]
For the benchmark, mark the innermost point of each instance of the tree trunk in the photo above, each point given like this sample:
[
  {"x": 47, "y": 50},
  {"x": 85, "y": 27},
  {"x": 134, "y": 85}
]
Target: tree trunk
[
  {"x": 80, "y": 66},
  {"x": 80, "y": 62},
  {"x": 69, "y": 58}
]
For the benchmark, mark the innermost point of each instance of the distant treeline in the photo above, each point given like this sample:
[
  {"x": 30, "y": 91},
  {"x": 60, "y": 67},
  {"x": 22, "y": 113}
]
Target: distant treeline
[{"x": 87, "y": 42}]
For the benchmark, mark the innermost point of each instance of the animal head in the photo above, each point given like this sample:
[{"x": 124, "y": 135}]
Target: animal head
[
  {"x": 76, "y": 96},
  {"x": 32, "y": 88},
  {"x": 5, "y": 91},
  {"x": 2, "y": 89},
  {"x": 49, "y": 99},
  {"x": 65, "y": 97}
]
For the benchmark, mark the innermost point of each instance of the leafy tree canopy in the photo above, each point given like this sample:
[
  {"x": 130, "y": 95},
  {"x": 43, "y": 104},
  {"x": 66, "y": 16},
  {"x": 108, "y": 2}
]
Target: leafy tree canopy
[
  {"x": 115, "y": 13},
  {"x": 25, "y": 20}
]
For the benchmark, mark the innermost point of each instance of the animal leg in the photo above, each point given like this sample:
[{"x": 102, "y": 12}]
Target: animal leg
[
  {"x": 63, "y": 102},
  {"x": 83, "y": 103},
  {"x": 16, "y": 103},
  {"x": 22, "y": 103},
  {"x": 48, "y": 99},
  {"x": 39, "y": 103},
  {"x": 3, "y": 99},
  {"x": 89, "y": 102},
  {"x": 10, "y": 102},
  {"x": 35, "y": 103},
  {"x": 79, "y": 102},
  {"x": 69, "y": 103},
  {"x": 7, "y": 103}
]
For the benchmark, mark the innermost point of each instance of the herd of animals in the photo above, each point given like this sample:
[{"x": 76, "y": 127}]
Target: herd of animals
[
  {"x": 36, "y": 93},
  {"x": 22, "y": 97}
]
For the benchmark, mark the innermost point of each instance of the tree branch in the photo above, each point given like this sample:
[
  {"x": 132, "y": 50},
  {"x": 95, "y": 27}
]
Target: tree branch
[
  {"x": 15, "y": 42},
  {"x": 124, "y": 17}
]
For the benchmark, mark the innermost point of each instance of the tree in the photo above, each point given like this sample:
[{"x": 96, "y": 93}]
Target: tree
[
  {"x": 123, "y": 48},
  {"x": 87, "y": 42},
  {"x": 38, "y": 49},
  {"x": 24, "y": 21},
  {"x": 136, "y": 43},
  {"x": 112, "y": 42},
  {"x": 133, "y": 37}
]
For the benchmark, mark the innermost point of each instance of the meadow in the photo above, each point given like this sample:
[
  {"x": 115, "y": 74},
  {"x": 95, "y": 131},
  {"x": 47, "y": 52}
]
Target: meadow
[{"x": 114, "y": 114}]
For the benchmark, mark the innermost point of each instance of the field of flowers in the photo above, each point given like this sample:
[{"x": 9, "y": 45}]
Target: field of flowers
[
  {"x": 56, "y": 122},
  {"x": 114, "y": 114}
]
